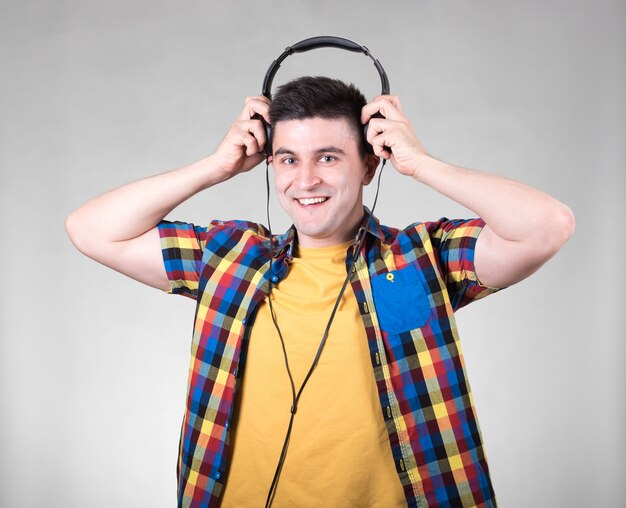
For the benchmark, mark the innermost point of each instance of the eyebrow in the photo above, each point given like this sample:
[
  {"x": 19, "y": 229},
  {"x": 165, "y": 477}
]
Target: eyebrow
[{"x": 325, "y": 149}]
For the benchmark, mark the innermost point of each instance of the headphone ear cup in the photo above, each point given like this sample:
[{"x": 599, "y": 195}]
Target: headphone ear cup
[
  {"x": 267, "y": 149},
  {"x": 368, "y": 148},
  {"x": 268, "y": 138}
]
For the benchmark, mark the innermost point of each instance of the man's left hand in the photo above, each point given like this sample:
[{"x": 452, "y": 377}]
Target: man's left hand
[{"x": 392, "y": 136}]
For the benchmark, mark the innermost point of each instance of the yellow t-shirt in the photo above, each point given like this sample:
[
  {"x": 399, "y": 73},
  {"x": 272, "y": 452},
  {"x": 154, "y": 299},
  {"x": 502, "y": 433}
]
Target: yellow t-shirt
[{"x": 339, "y": 453}]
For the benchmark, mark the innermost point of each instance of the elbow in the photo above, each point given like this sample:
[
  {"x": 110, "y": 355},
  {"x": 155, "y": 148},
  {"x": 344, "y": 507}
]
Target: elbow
[
  {"x": 73, "y": 230},
  {"x": 70, "y": 227},
  {"x": 563, "y": 226},
  {"x": 567, "y": 223}
]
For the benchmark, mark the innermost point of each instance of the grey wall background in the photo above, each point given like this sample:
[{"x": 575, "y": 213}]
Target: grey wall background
[{"x": 93, "y": 94}]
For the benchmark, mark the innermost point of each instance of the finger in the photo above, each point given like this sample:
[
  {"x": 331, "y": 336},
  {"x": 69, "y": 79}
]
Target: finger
[
  {"x": 380, "y": 147},
  {"x": 261, "y": 98},
  {"x": 257, "y": 129},
  {"x": 394, "y": 99},
  {"x": 257, "y": 99},
  {"x": 247, "y": 140},
  {"x": 252, "y": 127},
  {"x": 383, "y": 106},
  {"x": 241, "y": 135},
  {"x": 375, "y": 127},
  {"x": 379, "y": 138},
  {"x": 258, "y": 105}
]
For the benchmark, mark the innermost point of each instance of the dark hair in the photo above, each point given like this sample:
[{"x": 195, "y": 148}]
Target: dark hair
[{"x": 319, "y": 97}]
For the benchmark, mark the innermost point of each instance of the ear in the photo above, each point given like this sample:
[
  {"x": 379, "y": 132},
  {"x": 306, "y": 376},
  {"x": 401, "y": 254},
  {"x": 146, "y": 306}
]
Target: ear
[{"x": 371, "y": 163}]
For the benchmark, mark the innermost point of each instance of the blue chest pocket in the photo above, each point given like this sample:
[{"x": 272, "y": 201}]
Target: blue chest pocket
[{"x": 401, "y": 300}]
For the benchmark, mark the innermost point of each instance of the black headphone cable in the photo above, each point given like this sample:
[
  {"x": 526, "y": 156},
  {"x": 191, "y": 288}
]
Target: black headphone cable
[{"x": 358, "y": 242}]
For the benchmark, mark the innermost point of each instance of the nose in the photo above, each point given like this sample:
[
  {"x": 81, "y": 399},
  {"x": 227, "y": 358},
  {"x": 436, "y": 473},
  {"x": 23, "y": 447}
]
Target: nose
[{"x": 308, "y": 176}]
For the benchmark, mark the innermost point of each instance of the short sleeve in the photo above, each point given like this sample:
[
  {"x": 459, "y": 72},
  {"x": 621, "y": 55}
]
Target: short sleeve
[
  {"x": 454, "y": 242},
  {"x": 182, "y": 246}
]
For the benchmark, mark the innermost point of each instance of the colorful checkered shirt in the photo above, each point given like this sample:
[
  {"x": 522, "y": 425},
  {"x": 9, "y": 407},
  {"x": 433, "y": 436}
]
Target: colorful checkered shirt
[{"x": 407, "y": 283}]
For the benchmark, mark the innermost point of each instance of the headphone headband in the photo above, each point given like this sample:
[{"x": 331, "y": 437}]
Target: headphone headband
[{"x": 322, "y": 41}]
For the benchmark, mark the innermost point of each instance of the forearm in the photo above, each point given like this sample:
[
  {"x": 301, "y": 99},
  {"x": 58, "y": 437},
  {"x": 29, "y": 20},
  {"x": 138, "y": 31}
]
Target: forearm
[
  {"x": 129, "y": 211},
  {"x": 514, "y": 211}
]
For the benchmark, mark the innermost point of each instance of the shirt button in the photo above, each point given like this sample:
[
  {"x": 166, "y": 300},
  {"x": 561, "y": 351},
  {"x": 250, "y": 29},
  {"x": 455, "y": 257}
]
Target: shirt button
[
  {"x": 243, "y": 321},
  {"x": 235, "y": 372},
  {"x": 227, "y": 424},
  {"x": 218, "y": 475},
  {"x": 274, "y": 278}
]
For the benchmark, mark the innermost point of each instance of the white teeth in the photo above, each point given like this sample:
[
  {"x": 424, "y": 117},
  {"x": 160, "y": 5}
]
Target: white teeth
[{"x": 311, "y": 201}]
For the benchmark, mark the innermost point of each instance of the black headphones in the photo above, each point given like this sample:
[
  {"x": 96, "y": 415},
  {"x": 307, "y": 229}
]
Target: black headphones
[{"x": 322, "y": 41}]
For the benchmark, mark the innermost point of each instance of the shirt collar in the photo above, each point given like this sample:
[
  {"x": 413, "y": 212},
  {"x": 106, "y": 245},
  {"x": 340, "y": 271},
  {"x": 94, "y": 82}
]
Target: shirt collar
[
  {"x": 286, "y": 242},
  {"x": 371, "y": 224}
]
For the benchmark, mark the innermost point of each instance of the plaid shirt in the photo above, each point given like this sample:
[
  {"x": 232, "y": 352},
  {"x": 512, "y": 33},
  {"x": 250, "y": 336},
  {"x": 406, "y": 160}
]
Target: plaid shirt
[{"x": 407, "y": 283}]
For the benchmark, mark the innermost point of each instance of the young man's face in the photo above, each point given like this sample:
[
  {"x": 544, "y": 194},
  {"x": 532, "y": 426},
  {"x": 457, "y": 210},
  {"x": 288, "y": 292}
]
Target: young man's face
[{"x": 319, "y": 174}]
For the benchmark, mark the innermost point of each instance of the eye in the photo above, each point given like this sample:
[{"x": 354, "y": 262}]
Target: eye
[
  {"x": 327, "y": 158},
  {"x": 289, "y": 161}
]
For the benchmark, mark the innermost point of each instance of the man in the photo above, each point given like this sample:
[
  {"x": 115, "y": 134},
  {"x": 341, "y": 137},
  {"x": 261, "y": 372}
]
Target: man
[{"x": 385, "y": 417}]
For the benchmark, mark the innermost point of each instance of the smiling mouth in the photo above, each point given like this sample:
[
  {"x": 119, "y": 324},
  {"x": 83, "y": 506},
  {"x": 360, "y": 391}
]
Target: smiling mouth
[{"x": 311, "y": 201}]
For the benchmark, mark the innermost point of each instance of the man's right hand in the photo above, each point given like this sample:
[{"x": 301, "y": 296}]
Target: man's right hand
[{"x": 242, "y": 147}]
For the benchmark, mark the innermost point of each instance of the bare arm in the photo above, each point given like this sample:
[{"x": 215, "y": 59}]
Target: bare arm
[
  {"x": 524, "y": 226},
  {"x": 118, "y": 228}
]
